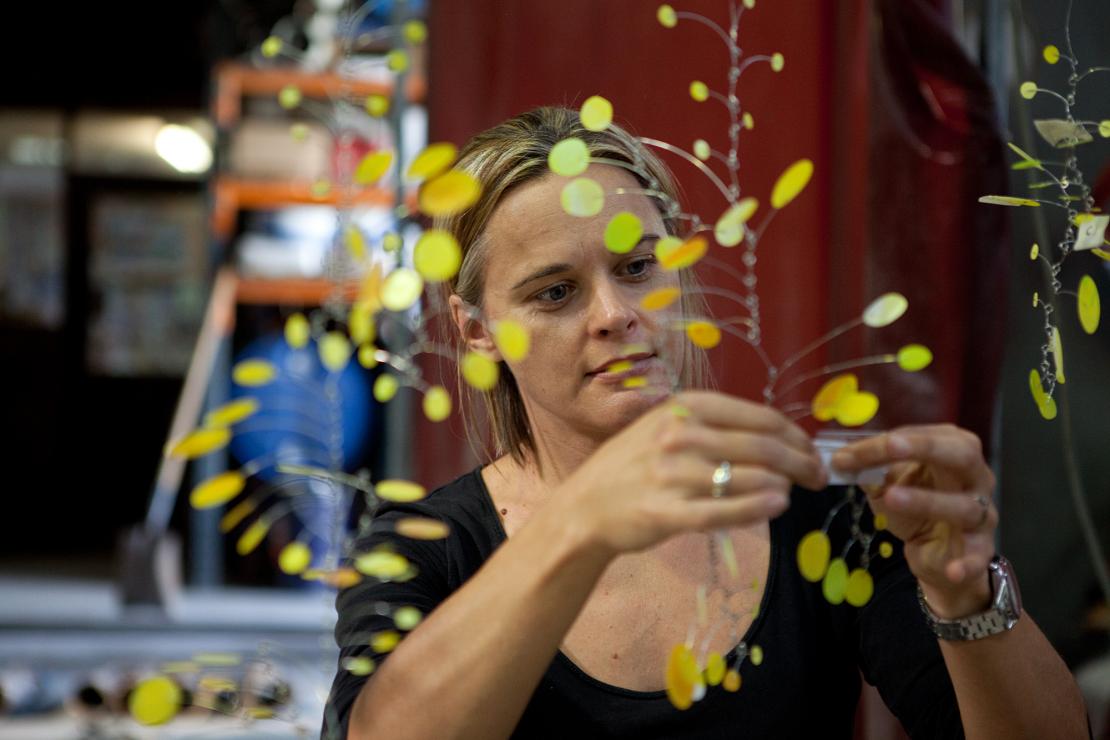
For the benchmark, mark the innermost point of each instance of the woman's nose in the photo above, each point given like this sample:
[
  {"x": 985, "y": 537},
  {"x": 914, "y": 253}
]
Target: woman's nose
[{"x": 612, "y": 311}]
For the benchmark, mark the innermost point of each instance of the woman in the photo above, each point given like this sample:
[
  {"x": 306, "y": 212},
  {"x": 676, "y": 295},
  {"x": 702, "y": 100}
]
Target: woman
[{"x": 575, "y": 555}]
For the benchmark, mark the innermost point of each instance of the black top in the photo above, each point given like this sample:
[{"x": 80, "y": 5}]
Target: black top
[{"x": 806, "y": 687}]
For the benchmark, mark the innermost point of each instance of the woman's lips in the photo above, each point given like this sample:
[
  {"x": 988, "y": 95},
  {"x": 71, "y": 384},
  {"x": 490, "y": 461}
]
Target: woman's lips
[{"x": 626, "y": 369}]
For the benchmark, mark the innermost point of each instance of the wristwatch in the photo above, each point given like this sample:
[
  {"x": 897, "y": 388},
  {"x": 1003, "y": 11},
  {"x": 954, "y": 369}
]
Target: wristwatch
[{"x": 1002, "y": 615}]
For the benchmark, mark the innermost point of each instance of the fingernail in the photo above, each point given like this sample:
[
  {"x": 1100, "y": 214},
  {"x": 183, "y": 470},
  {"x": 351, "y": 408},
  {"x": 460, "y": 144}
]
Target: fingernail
[
  {"x": 898, "y": 495},
  {"x": 778, "y": 502},
  {"x": 897, "y": 445}
]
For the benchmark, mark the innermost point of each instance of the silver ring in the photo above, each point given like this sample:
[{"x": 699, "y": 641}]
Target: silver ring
[
  {"x": 985, "y": 503},
  {"x": 721, "y": 477}
]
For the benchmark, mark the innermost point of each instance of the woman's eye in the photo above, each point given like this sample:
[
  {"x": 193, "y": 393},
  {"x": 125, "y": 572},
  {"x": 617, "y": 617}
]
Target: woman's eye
[
  {"x": 641, "y": 266},
  {"x": 554, "y": 294}
]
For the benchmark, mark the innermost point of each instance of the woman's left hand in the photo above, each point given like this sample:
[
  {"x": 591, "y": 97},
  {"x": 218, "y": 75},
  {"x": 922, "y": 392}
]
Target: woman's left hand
[{"x": 937, "y": 500}]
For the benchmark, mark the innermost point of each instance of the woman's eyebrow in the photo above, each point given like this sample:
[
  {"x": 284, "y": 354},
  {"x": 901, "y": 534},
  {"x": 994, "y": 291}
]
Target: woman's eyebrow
[{"x": 544, "y": 272}]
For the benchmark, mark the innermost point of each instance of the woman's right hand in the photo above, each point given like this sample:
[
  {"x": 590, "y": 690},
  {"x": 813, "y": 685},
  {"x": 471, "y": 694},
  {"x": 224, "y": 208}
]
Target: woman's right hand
[{"x": 654, "y": 479}]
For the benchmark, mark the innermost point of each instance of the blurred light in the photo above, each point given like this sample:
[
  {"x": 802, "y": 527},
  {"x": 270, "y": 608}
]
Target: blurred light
[{"x": 184, "y": 148}]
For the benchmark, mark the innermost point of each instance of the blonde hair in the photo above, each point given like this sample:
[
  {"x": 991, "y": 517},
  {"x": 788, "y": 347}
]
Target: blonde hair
[{"x": 503, "y": 158}]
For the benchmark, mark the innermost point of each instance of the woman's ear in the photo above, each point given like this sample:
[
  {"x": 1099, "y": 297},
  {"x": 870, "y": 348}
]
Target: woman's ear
[{"x": 471, "y": 328}]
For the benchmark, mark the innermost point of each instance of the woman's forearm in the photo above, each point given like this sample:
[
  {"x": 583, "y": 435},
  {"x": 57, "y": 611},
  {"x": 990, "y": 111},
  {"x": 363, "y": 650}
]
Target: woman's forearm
[
  {"x": 470, "y": 668},
  {"x": 1014, "y": 685}
]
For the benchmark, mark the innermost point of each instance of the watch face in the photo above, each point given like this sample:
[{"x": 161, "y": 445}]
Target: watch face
[{"x": 1007, "y": 597}]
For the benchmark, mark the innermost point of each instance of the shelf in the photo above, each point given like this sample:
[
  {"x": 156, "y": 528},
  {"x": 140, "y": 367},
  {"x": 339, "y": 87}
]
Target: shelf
[
  {"x": 291, "y": 291},
  {"x": 235, "y": 80}
]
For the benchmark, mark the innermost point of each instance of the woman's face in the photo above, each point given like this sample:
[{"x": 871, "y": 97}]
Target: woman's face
[{"x": 580, "y": 303}]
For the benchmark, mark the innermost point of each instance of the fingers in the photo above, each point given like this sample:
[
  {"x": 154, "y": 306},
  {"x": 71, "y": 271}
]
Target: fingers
[
  {"x": 729, "y": 412},
  {"x": 959, "y": 509},
  {"x": 695, "y": 476},
  {"x": 943, "y": 446},
  {"x": 717, "y": 513}
]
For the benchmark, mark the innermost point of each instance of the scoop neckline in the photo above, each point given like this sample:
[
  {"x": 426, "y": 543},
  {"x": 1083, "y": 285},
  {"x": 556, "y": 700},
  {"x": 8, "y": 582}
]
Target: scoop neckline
[{"x": 560, "y": 656}]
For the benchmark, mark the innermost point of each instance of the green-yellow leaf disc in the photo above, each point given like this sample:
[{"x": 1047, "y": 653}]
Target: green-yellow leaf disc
[
  {"x": 1034, "y": 251},
  {"x": 512, "y": 340},
  {"x": 368, "y": 356},
  {"x": 432, "y": 161},
  {"x": 200, "y": 442},
  {"x": 252, "y": 537},
  {"x": 1058, "y": 354},
  {"x": 835, "y": 582},
  {"x": 791, "y": 183},
  {"x": 422, "y": 528},
  {"x": 675, "y": 254},
  {"x": 778, "y": 61},
  {"x": 407, "y": 617},
  {"x": 1090, "y": 309},
  {"x": 715, "y": 668},
  {"x": 582, "y": 197},
  {"x": 1028, "y": 90},
  {"x": 217, "y": 490},
  {"x": 732, "y": 681},
  {"x": 699, "y": 91},
  {"x": 813, "y": 555},
  {"x": 402, "y": 289},
  {"x": 384, "y": 641},
  {"x": 702, "y": 150},
  {"x": 569, "y": 158},
  {"x": 395, "y": 489},
  {"x": 358, "y": 665},
  {"x": 253, "y": 373},
  {"x": 880, "y": 522},
  {"x": 377, "y": 105},
  {"x": 596, "y": 113},
  {"x": 857, "y": 409},
  {"x": 298, "y": 131},
  {"x": 297, "y": 331},
  {"x": 437, "y": 255},
  {"x": 704, "y": 334},
  {"x": 747, "y": 121},
  {"x": 232, "y": 412},
  {"x": 385, "y": 387},
  {"x": 1008, "y": 200},
  {"x": 886, "y": 549},
  {"x": 914, "y": 357},
  {"x": 660, "y": 298},
  {"x": 392, "y": 241},
  {"x": 885, "y": 310},
  {"x": 360, "y": 323},
  {"x": 1047, "y": 408},
  {"x": 437, "y": 403},
  {"x": 373, "y": 166},
  {"x": 666, "y": 16},
  {"x": 449, "y": 193},
  {"x": 729, "y": 230},
  {"x": 155, "y": 701},
  {"x": 479, "y": 371},
  {"x": 415, "y": 32},
  {"x": 756, "y": 655},
  {"x": 271, "y": 47},
  {"x": 335, "y": 351},
  {"x": 238, "y": 513},
  {"x": 295, "y": 558},
  {"x": 623, "y": 232},
  {"x": 381, "y": 564},
  {"x": 1036, "y": 388},
  {"x": 860, "y": 587},
  {"x": 1104, "y": 129},
  {"x": 682, "y": 676},
  {"x": 289, "y": 97},
  {"x": 832, "y": 393},
  {"x": 397, "y": 60},
  {"x": 1051, "y": 54}
]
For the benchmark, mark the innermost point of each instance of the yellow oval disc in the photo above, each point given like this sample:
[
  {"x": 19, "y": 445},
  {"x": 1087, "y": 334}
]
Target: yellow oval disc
[
  {"x": 747, "y": 121},
  {"x": 252, "y": 537},
  {"x": 358, "y": 665},
  {"x": 415, "y": 31},
  {"x": 756, "y": 655},
  {"x": 1090, "y": 309},
  {"x": 829, "y": 397},
  {"x": 231, "y": 413},
  {"x": 200, "y": 442},
  {"x": 432, "y": 161},
  {"x": 437, "y": 255},
  {"x": 1051, "y": 54},
  {"x": 729, "y": 229},
  {"x": 860, "y": 587},
  {"x": 1058, "y": 355},
  {"x": 813, "y": 555},
  {"x": 569, "y": 158},
  {"x": 373, "y": 166},
  {"x": 1008, "y": 200},
  {"x": 885, "y": 310},
  {"x": 335, "y": 350},
  {"x": 368, "y": 356},
  {"x": 1104, "y": 129},
  {"x": 360, "y": 323},
  {"x": 295, "y": 558},
  {"x": 217, "y": 490},
  {"x": 596, "y": 113},
  {"x": 674, "y": 254},
  {"x": 582, "y": 197},
  {"x": 1034, "y": 251},
  {"x": 155, "y": 701},
  {"x": 377, "y": 105},
  {"x": 732, "y": 681},
  {"x": 666, "y": 16},
  {"x": 704, "y": 334},
  {"x": 880, "y": 522},
  {"x": 857, "y": 409},
  {"x": 1036, "y": 388},
  {"x": 385, "y": 387},
  {"x": 402, "y": 289},
  {"x": 407, "y": 617},
  {"x": 660, "y": 298},
  {"x": 778, "y": 61},
  {"x": 271, "y": 47},
  {"x": 914, "y": 357},
  {"x": 422, "y": 528},
  {"x": 682, "y": 677},
  {"x": 623, "y": 232},
  {"x": 702, "y": 150},
  {"x": 253, "y": 373},
  {"x": 699, "y": 91},
  {"x": 1047, "y": 407},
  {"x": 397, "y": 60},
  {"x": 835, "y": 582},
  {"x": 297, "y": 330},
  {"x": 479, "y": 371},
  {"x": 715, "y": 668},
  {"x": 403, "y": 491},
  {"x": 791, "y": 183},
  {"x": 512, "y": 340},
  {"x": 238, "y": 513},
  {"x": 289, "y": 97},
  {"x": 449, "y": 193},
  {"x": 1028, "y": 90},
  {"x": 437, "y": 403},
  {"x": 886, "y": 549},
  {"x": 384, "y": 641},
  {"x": 381, "y": 564}
]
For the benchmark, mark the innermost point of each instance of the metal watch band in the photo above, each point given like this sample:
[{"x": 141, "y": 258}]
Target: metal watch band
[{"x": 1002, "y": 615}]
